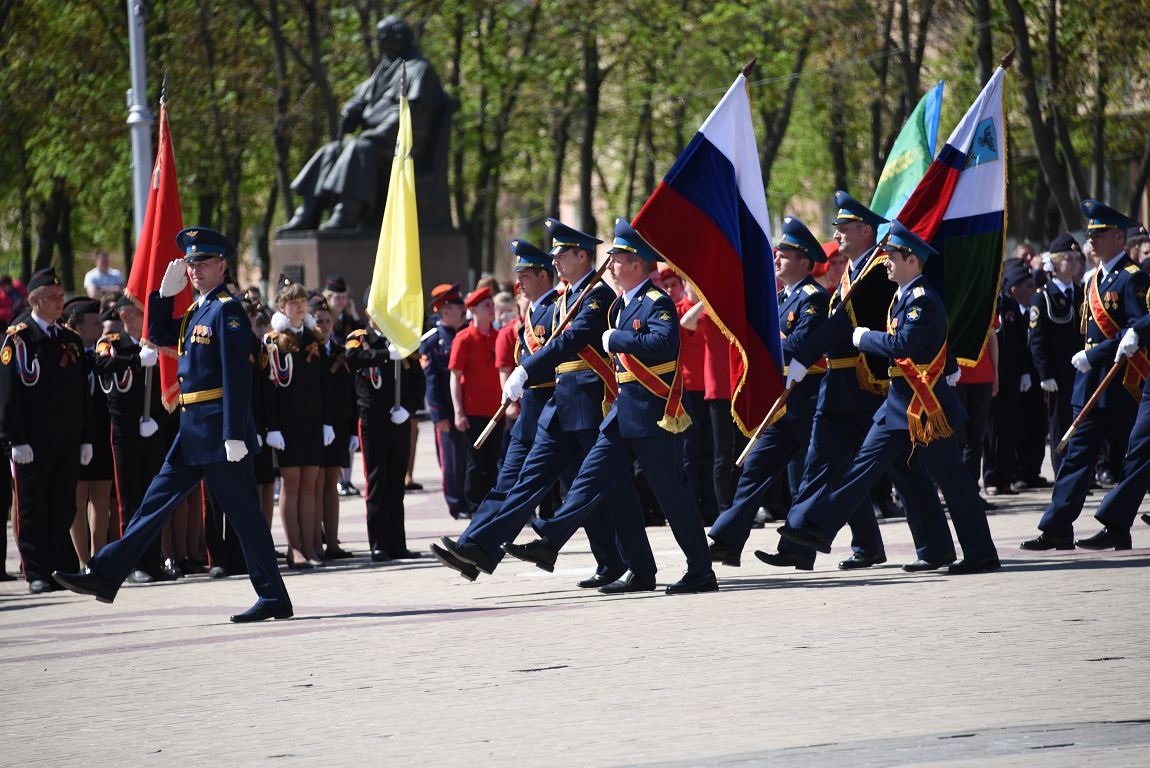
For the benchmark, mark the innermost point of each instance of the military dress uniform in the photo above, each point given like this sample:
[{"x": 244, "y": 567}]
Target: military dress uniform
[
  {"x": 212, "y": 339},
  {"x": 802, "y": 309},
  {"x": 1003, "y": 440},
  {"x": 920, "y": 411},
  {"x": 44, "y": 407},
  {"x": 303, "y": 404},
  {"x": 1115, "y": 300},
  {"x": 450, "y": 446}
]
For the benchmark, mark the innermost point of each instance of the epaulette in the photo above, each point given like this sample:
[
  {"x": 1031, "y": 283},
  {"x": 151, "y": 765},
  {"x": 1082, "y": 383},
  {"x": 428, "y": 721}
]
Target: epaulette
[
  {"x": 429, "y": 334},
  {"x": 1133, "y": 268},
  {"x": 809, "y": 289},
  {"x": 111, "y": 337},
  {"x": 224, "y": 296},
  {"x": 14, "y": 329},
  {"x": 918, "y": 292},
  {"x": 654, "y": 293}
]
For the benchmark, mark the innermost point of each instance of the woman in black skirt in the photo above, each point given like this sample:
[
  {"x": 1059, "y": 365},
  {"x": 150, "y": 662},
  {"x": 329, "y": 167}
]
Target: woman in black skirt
[{"x": 337, "y": 455}]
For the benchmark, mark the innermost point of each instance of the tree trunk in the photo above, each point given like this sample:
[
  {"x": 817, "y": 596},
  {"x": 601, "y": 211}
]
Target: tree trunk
[
  {"x": 984, "y": 47},
  {"x": 48, "y": 235},
  {"x": 315, "y": 37},
  {"x": 560, "y": 138},
  {"x": 64, "y": 243},
  {"x": 1135, "y": 204},
  {"x": 1098, "y": 126},
  {"x": 592, "y": 82},
  {"x": 776, "y": 121},
  {"x": 281, "y": 131},
  {"x": 836, "y": 111}
]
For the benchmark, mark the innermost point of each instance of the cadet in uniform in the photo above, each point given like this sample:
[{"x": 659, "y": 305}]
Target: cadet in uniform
[
  {"x": 802, "y": 309},
  {"x": 47, "y": 421},
  {"x": 1115, "y": 300},
  {"x": 337, "y": 455},
  {"x": 919, "y": 413},
  {"x": 216, "y": 435},
  {"x": 643, "y": 424},
  {"x": 434, "y": 356}
]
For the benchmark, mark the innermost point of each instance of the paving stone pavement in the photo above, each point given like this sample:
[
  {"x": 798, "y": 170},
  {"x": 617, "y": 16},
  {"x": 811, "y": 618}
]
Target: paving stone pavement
[{"x": 1043, "y": 663}]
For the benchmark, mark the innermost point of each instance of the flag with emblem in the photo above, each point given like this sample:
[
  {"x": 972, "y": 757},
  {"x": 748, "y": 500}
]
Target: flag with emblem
[
  {"x": 958, "y": 209},
  {"x": 395, "y": 301},
  {"x": 909, "y": 157},
  {"x": 708, "y": 219},
  {"x": 156, "y": 248}
]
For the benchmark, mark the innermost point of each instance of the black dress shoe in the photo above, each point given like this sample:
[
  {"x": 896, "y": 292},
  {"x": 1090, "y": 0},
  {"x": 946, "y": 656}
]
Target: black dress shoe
[
  {"x": 1001, "y": 490},
  {"x": 924, "y": 565},
  {"x": 40, "y": 586},
  {"x": 217, "y": 572},
  {"x": 807, "y": 536},
  {"x": 336, "y": 553},
  {"x": 379, "y": 556},
  {"x": 463, "y": 514},
  {"x": 539, "y": 553},
  {"x": 785, "y": 560},
  {"x": 721, "y": 553},
  {"x": 469, "y": 553},
  {"x": 694, "y": 583},
  {"x": 862, "y": 560},
  {"x": 1107, "y": 538},
  {"x": 1107, "y": 478},
  {"x": 140, "y": 576},
  {"x": 1045, "y": 541},
  {"x": 465, "y": 569},
  {"x": 87, "y": 584},
  {"x": 262, "y": 612},
  {"x": 413, "y": 486},
  {"x": 405, "y": 554},
  {"x": 600, "y": 580},
  {"x": 963, "y": 567},
  {"x": 629, "y": 583}
]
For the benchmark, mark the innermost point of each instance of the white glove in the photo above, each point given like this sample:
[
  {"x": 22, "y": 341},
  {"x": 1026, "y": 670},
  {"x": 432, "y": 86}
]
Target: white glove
[
  {"x": 353, "y": 444},
  {"x": 22, "y": 454},
  {"x": 953, "y": 378},
  {"x": 276, "y": 440},
  {"x": 259, "y": 440},
  {"x": 1129, "y": 344},
  {"x": 235, "y": 449},
  {"x": 856, "y": 337},
  {"x": 175, "y": 278},
  {"x": 1080, "y": 362},
  {"x": 606, "y": 339},
  {"x": 393, "y": 352},
  {"x": 399, "y": 414},
  {"x": 148, "y": 427},
  {"x": 85, "y": 454},
  {"x": 796, "y": 372},
  {"x": 513, "y": 388},
  {"x": 1048, "y": 385},
  {"x": 1024, "y": 383},
  {"x": 328, "y": 435},
  {"x": 148, "y": 356}
]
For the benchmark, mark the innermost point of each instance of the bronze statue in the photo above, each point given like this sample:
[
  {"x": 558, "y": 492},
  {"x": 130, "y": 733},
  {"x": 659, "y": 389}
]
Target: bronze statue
[{"x": 350, "y": 176}]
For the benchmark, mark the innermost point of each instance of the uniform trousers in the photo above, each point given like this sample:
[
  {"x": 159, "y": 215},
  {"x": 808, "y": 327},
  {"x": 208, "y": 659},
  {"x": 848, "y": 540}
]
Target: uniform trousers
[
  {"x": 386, "y": 448},
  {"x": 614, "y": 528},
  {"x": 699, "y": 454},
  {"x": 451, "y": 450},
  {"x": 881, "y": 449},
  {"x": 1077, "y": 469},
  {"x": 608, "y": 467},
  {"x": 234, "y": 486},
  {"x": 137, "y": 460},
  {"x": 1120, "y": 506},
  {"x": 45, "y": 509}
]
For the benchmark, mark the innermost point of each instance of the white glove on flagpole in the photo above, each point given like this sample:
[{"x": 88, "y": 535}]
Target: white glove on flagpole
[
  {"x": 513, "y": 388},
  {"x": 399, "y": 414},
  {"x": 22, "y": 454},
  {"x": 796, "y": 372},
  {"x": 1048, "y": 385},
  {"x": 148, "y": 356},
  {"x": 1129, "y": 344},
  {"x": 148, "y": 427},
  {"x": 856, "y": 337}
]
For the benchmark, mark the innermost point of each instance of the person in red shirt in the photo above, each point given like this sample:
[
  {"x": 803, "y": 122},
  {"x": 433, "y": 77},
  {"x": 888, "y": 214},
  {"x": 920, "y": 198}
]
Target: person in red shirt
[{"x": 476, "y": 394}]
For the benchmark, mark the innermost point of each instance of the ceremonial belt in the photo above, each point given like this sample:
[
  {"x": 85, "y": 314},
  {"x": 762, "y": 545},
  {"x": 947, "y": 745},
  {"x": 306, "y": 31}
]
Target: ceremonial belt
[
  {"x": 203, "y": 396},
  {"x": 590, "y": 360},
  {"x": 675, "y": 418},
  {"x": 626, "y": 377},
  {"x": 926, "y": 420},
  {"x": 815, "y": 370},
  {"x": 1138, "y": 366},
  {"x": 572, "y": 366}
]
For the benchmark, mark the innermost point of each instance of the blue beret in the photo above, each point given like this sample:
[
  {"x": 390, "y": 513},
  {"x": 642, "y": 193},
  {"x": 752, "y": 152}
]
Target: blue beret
[
  {"x": 849, "y": 209},
  {"x": 564, "y": 237},
  {"x": 201, "y": 244},
  {"x": 796, "y": 236},
  {"x": 528, "y": 255},
  {"x": 627, "y": 240},
  {"x": 1102, "y": 216},
  {"x": 902, "y": 239}
]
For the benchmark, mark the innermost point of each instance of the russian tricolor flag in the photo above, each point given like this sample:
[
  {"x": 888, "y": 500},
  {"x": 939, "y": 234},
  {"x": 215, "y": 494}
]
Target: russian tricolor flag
[{"x": 708, "y": 219}]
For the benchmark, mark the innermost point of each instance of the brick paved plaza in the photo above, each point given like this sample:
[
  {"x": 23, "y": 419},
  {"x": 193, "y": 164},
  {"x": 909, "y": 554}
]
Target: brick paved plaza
[{"x": 1044, "y": 663}]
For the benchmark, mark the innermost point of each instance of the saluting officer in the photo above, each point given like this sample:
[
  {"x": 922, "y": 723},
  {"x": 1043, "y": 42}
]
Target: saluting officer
[
  {"x": 919, "y": 413},
  {"x": 643, "y": 424},
  {"x": 802, "y": 309},
  {"x": 1115, "y": 300},
  {"x": 434, "y": 356},
  {"x": 45, "y": 416},
  {"x": 217, "y": 435}
]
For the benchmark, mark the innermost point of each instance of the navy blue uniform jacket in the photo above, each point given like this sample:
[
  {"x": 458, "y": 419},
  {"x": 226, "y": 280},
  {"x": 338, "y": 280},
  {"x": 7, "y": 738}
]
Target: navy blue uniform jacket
[{"x": 800, "y": 316}]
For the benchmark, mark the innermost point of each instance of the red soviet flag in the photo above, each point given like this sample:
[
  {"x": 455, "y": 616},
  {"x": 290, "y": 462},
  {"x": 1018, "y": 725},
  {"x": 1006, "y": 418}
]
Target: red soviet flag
[{"x": 155, "y": 249}]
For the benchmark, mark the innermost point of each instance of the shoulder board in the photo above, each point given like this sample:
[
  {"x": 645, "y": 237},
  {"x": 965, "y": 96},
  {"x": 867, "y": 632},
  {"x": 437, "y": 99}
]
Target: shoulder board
[
  {"x": 918, "y": 292},
  {"x": 809, "y": 289},
  {"x": 654, "y": 293},
  {"x": 1133, "y": 268},
  {"x": 224, "y": 296},
  {"x": 14, "y": 329},
  {"x": 111, "y": 337},
  {"x": 429, "y": 335}
]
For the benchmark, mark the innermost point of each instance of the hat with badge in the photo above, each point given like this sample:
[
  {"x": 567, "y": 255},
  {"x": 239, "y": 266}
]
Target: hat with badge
[
  {"x": 902, "y": 239},
  {"x": 564, "y": 237},
  {"x": 1065, "y": 242},
  {"x": 1015, "y": 271},
  {"x": 627, "y": 240},
  {"x": 335, "y": 284},
  {"x": 848, "y": 210},
  {"x": 42, "y": 279},
  {"x": 478, "y": 296},
  {"x": 797, "y": 237},
  {"x": 317, "y": 303},
  {"x": 445, "y": 293},
  {"x": 81, "y": 305},
  {"x": 528, "y": 255},
  {"x": 201, "y": 244},
  {"x": 1101, "y": 216}
]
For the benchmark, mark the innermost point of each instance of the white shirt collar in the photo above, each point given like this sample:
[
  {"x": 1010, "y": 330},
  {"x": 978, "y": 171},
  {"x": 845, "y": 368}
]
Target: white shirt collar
[
  {"x": 898, "y": 293},
  {"x": 1064, "y": 287},
  {"x": 629, "y": 295},
  {"x": 582, "y": 281},
  {"x": 41, "y": 322},
  {"x": 531, "y": 307},
  {"x": 1108, "y": 267}
]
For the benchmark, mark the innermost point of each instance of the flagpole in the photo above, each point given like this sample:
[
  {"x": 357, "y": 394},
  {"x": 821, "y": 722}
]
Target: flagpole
[{"x": 139, "y": 116}]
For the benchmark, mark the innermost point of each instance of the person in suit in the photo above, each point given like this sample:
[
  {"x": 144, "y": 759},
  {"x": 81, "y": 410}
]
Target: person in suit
[
  {"x": 435, "y": 356},
  {"x": 919, "y": 413},
  {"x": 585, "y": 388},
  {"x": 643, "y": 424},
  {"x": 217, "y": 435},
  {"x": 802, "y": 309},
  {"x": 1115, "y": 301}
]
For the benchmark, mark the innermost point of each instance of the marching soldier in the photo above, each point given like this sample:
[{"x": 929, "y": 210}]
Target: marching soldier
[
  {"x": 45, "y": 416},
  {"x": 434, "y": 356},
  {"x": 919, "y": 413},
  {"x": 1115, "y": 300},
  {"x": 643, "y": 424}
]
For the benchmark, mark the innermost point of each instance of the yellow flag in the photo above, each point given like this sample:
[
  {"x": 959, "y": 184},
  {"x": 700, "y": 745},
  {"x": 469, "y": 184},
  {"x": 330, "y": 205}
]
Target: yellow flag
[{"x": 395, "y": 301}]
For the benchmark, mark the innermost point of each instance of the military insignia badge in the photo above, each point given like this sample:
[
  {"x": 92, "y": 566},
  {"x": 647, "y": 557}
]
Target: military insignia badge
[
  {"x": 809, "y": 311},
  {"x": 6, "y": 355},
  {"x": 637, "y": 324},
  {"x": 233, "y": 323},
  {"x": 594, "y": 304},
  {"x": 913, "y": 313},
  {"x": 539, "y": 330},
  {"x": 1034, "y": 315}
]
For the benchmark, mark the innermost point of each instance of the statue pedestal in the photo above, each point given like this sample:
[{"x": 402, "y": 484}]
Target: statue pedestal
[{"x": 309, "y": 257}]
